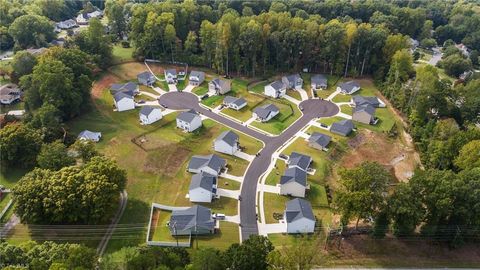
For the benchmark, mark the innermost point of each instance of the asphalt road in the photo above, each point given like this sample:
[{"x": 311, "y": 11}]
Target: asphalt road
[{"x": 312, "y": 108}]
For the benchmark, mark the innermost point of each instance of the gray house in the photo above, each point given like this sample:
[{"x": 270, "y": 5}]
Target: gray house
[
  {"x": 348, "y": 88},
  {"x": 364, "y": 114},
  {"x": 228, "y": 143},
  {"x": 211, "y": 164},
  {"x": 171, "y": 76},
  {"x": 343, "y": 127},
  {"x": 192, "y": 221},
  {"x": 293, "y": 182},
  {"x": 234, "y": 102},
  {"x": 293, "y": 81},
  {"x": 319, "y": 141},
  {"x": 129, "y": 88},
  {"x": 300, "y": 161},
  {"x": 88, "y": 135},
  {"x": 299, "y": 216},
  {"x": 146, "y": 78},
  {"x": 189, "y": 121},
  {"x": 359, "y": 101},
  {"x": 219, "y": 86},
  {"x": 276, "y": 89},
  {"x": 265, "y": 112},
  {"x": 196, "y": 77},
  {"x": 203, "y": 187},
  {"x": 319, "y": 81}
]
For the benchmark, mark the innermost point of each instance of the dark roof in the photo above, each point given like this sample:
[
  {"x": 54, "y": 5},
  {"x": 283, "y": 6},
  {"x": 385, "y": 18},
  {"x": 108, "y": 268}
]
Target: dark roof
[
  {"x": 90, "y": 135},
  {"x": 320, "y": 139},
  {"x": 198, "y": 74},
  {"x": 146, "y": 75},
  {"x": 222, "y": 84},
  {"x": 212, "y": 161},
  {"x": 348, "y": 86},
  {"x": 361, "y": 100},
  {"x": 264, "y": 111},
  {"x": 192, "y": 218},
  {"x": 203, "y": 180},
  {"x": 121, "y": 95},
  {"x": 319, "y": 79},
  {"x": 277, "y": 85},
  {"x": 366, "y": 108},
  {"x": 300, "y": 160},
  {"x": 229, "y": 137},
  {"x": 294, "y": 175},
  {"x": 293, "y": 77},
  {"x": 171, "y": 71},
  {"x": 147, "y": 110},
  {"x": 234, "y": 100},
  {"x": 188, "y": 116},
  {"x": 297, "y": 209},
  {"x": 128, "y": 88},
  {"x": 343, "y": 127}
]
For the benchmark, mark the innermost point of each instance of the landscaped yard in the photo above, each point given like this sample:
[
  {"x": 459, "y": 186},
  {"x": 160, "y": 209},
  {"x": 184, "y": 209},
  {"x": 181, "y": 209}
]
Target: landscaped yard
[
  {"x": 121, "y": 54},
  {"x": 294, "y": 94},
  {"x": 288, "y": 114},
  {"x": 202, "y": 89},
  {"x": 346, "y": 109}
]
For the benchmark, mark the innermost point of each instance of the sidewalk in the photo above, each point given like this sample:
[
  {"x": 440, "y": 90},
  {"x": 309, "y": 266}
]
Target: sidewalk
[
  {"x": 292, "y": 99},
  {"x": 264, "y": 229}
]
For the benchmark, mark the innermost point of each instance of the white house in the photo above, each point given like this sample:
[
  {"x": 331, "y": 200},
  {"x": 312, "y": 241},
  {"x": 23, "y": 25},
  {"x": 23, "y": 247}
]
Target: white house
[
  {"x": 196, "y": 77},
  {"x": 234, "y": 102},
  {"x": 203, "y": 187},
  {"x": 348, "y": 88},
  {"x": 300, "y": 161},
  {"x": 293, "y": 182},
  {"x": 266, "y": 112},
  {"x": 211, "y": 164},
  {"x": 276, "y": 89},
  {"x": 171, "y": 76},
  {"x": 299, "y": 216},
  {"x": 189, "y": 121},
  {"x": 123, "y": 102},
  {"x": 149, "y": 115},
  {"x": 88, "y": 135},
  {"x": 293, "y": 81},
  {"x": 227, "y": 143}
]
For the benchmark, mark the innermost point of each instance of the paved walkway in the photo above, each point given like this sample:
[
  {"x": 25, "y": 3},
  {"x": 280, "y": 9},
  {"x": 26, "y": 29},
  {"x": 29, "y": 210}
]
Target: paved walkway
[
  {"x": 332, "y": 95},
  {"x": 147, "y": 103},
  {"x": 268, "y": 188},
  {"x": 292, "y": 99},
  {"x": 232, "y": 177},
  {"x": 303, "y": 94},
  {"x": 159, "y": 90},
  {"x": 249, "y": 121},
  {"x": 149, "y": 94},
  {"x": 264, "y": 229},
  {"x": 228, "y": 193},
  {"x": 172, "y": 88},
  {"x": 189, "y": 88},
  {"x": 233, "y": 219},
  {"x": 344, "y": 115},
  {"x": 244, "y": 155},
  {"x": 217, "y": 109}
]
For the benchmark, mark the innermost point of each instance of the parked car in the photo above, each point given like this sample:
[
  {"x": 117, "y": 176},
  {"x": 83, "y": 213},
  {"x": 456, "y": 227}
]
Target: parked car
[
  {"x": 141, "y": 101},
  {"x": 282, "y": 156}
]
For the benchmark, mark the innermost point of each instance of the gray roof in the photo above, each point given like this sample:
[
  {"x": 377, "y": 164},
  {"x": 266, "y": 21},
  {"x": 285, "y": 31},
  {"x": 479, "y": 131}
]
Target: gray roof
[
  {"x": 365, "y": 108},
  {"x": 361, "y": 101},
  {"x": 277, "y": 85},
  {"x": 319, "y": 79},
  {"x": 193, "y": 218},
  {"x": 171, "y": 71},
  {"x": 222, "y": 84},
  {"x": 229, "y": 137},
  {"x": 203, "y": 180},
  {"x": 146, "y": 75},
  {"x": 297, "y": 209},
  {"x": 265, "y": 110},
  {"x": 128, "y": 88},
  {"x": 294, "y": 175},
  {"x": 90, "y": 135},
  {"x": 188, "y": 116},
  {"x": 212, "y": 161},
  {"x": 121, "y": 95},
  {"x": 234, "y": 100},
  {"x": 343, "y": 127},
  {"x": 147, "y": 110},
  {"x": 348, "y": 86},
  {"x": 293, "y": 77},
  {"x": 320, "y": 139},
  {"x": 300, "y": 160},
  {"x": 198, "y": 74}
]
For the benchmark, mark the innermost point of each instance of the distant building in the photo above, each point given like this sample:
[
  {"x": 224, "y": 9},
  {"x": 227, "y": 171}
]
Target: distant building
[
  {"x": 299, "y": 216},
  {"x": 84, "y": 17},
  {"x": 196, "y": 220},
  {"x": 149, "y": 115},
  {"x": 266, "y": 112},
  {"x": 88, "y": 135},
  {"x": 348, "y": 88},
  {"x": 293, "y": 81},
  {"x": 189, "y": 121},
  {"x": 318, "y": 82},
  {"x": 319, "y": 141},
  {"x": 171, "y": 76},
  {"x": 276, "y": 89},
  {"x": 234, "y": 103},
  {"x": 228, "y": 143},
  {"x": 211, "y": 164},
  {"x": 465, "y": 51},
  {"x": 196, "y": 77},
  {"x": 146, "y": 78},
  {"x": 219, "y": 86}
]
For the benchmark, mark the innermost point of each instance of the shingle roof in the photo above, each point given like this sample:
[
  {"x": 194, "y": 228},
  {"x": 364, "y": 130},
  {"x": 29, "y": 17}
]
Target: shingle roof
[
  {"x": 171, "y": 71},
  {"x": 222, "y": 84},
  {"x": 293, "y": 77},
  {"x": 361, "y": 100},
  {"x": 146, "y": 75},
  {"x": 343, "y": 127},
  {"x": 320, "y": 139},
  {"x": 89, "y": 135},
  {"x": 300, "y": 160},
  {"x": 365, "y": 108},
  {"x": 121, "y": 95},
  {"x": 128, "y": 88},
  {"x": 294, "y": 175},
  {"x": 196, "y": 73},
  {"x": 193, "y": 218},
  {"x": 277, "y": 85},
  {"x": 264, "y": 111},
  {"x": 234, "y": 100},
  {"x": 188, "y": 116},
  {"x": 147, "y": 110},
  {"x": 203, "y": 180},
  {"x": 229, "y": 137},
  {"x": 212, "y": 161},
  {"x": 297, "y": 209},
  {"x": 348, "y": 86},
  {"x": 319, "y": 79}
]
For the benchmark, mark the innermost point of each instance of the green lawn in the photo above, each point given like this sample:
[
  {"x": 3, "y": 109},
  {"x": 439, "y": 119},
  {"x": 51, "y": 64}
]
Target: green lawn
[
  {"x": 282, "y": 120},
  {"x": 213, "y": 101},
  {"x": 121, "y": 54},
  {"x": 342, "y": 98},
  {"x": 239, "y": 89},
  {"x": 346, "y": 109},
  {"x": 10, "y": 176},
  {"x": 259, "y": 88},
  {"x": 202, "y": 89},
  {"x": 181, "y": 84},
  {"x": 228, "y": 184},
  {"x": 295, "y": 94}
]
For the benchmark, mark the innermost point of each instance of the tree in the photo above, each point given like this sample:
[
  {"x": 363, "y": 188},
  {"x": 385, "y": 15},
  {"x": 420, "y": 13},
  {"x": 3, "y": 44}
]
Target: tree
[
  {"x": 405, "y": 209},
  {"x": 468, "y": 97},
  {"x": 31, "y": 30},
  {"x": 362, "y": 191},
  {"x": 428, "y": 43},
  {"x": 277, "y": 6},
  {"x": 469, "y": 156},
  {"x": 96, "y": 43},
  {"x": 251, "y": 254},
  {"x": 207, "y": 38},
  {"x": 19, "y": 145},
  {"x": 455, "y": 65},
  {"x": 54, "y": 156},
  {"x": 23, "y": 63},
  {"x": 6, "y": 41},
  {"x": 170, "y": 37},
  {"x": 207, "y": 258},
  {"x": 47, "y": 121},
  {"x": 116, "y": 18},
  {"x": 84, "y": 150},
  {"x": 300, "y": 256}
]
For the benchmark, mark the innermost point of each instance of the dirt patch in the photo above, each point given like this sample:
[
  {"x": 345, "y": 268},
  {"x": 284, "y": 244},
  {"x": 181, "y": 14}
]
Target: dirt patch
[
  {"x": 100, "y": 85},
  {"x": 166, "y": 160},
  {"x": 391, "y": 153}
]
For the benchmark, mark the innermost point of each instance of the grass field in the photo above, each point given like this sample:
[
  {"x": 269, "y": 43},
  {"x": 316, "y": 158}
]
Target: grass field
[
  {"x": 295, "y": 94},
  {"x": 202, "y": 89},
  {"x": 121, "y": 54},
  {"x": 346, "y": 109},
  {"x": 282, "y": 120}
]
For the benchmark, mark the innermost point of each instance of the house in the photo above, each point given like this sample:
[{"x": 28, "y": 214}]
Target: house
[
  {"x": 266, "y": 112},
  {"x": 60, "y": 42},
  {"x": 196, "y": 77},
  {"x": 299, "y": 216},
  {"x": 149, "y": 115},
  {"x": 364, "y": 114},
  {"x": 36, "y": 51},
  {"x": 195, "y": 220},
  {"x": 227, "y": 143},
  {"x": 276, "y": 89},
  {"x": 84, "y": 17},
  {"x": 234, "y": 103},
  {"x": 318, "y": 81},
  {"x": 463, "y": 49},
  {"x": 293, "y": 182},
  {"x": 129, "y": 88},
  {"x": 211, "y": 164},
  {"x": 343, "y": 127},
  {"x": 319, "y": 141},
  {"x": 171, "y": 76},
  {"x": 63, "y": 25},
  {"x": 123, "y": 102},
  {"x": 300, "y": 161},
  {"x": 293, "y": 81},
  {"x": 9, "y": 93},
  {"x": 203, "y": 187},
  {"x": 146, "y": 78},
  {"x": 189, "y": 121},
  {"x": 359, "y": 101},
  {"x": 219, "y": 86},
  {"x": 348, "y": 88},
  {"x": 88, "y": 135}
]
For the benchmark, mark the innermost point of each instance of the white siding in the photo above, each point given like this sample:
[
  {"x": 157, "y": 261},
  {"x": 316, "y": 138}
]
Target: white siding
[
  {"x": 153, "y": 117},
  {"x": 222, "y": 147},
  {"x": 302, "y": 225},
  {"x": 293, "y": 189},
  {"x": 125, "y": 104}
]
